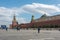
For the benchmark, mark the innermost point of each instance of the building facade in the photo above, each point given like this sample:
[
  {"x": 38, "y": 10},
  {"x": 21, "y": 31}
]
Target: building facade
[
  {"x": 44, "y": 22},
  {"x": 14, "y": 23},
  {"x": 47, "y": 21}
]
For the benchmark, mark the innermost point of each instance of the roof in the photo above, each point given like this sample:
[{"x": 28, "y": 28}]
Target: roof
[{"x": 46, "y": 17}]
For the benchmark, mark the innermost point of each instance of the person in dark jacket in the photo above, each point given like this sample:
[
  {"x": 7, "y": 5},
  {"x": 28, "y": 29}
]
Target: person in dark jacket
[
  {"x": 6, "y": 28},
  {"x": 18, "y": 28},
  {"x": 38, "y": 29}
]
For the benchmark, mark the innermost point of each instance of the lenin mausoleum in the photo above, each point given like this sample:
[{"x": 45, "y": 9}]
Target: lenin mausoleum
[{"x": 44, "y": 22}]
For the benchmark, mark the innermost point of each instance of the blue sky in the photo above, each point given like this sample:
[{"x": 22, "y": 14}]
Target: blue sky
[
  {"x": 18, "y": 3},
  {"x": 24, "y": 9}
]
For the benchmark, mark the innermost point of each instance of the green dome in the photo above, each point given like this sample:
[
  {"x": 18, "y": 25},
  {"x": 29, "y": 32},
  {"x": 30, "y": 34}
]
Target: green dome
[{"x": 44, "y": 16}]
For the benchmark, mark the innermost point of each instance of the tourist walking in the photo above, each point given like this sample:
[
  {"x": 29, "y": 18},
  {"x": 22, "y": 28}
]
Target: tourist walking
[
  {"x": 6, "y": 28},
  {"x": 18, "y": 28},
  {"x": 38, "y": 29}
]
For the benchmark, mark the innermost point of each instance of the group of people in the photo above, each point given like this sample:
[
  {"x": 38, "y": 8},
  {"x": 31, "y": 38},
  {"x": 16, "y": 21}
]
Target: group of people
[{"x": 18, "y": 28}]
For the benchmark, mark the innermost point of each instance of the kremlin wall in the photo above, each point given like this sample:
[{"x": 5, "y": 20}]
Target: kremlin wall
[{"x": 44, "y": 22}]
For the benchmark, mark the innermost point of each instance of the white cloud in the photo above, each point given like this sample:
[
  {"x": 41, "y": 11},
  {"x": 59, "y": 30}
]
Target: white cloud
[
  {"x": 41, "y": 8},
  {"x": 7, "y": 13}
]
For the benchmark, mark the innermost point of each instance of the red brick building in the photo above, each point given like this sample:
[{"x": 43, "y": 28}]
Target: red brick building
[
  {"x": 47, "y": 20},
  {"x": 14, "y": 23},
  {"x": 43, "y": 21}
]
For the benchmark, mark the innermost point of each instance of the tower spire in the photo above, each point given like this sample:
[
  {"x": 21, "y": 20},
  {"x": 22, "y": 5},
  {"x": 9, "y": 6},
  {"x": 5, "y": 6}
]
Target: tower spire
[
  {"x": 14, "y": 22},
  {"x": 32, "y": 18},
  {"x": 14, "y": 18}
]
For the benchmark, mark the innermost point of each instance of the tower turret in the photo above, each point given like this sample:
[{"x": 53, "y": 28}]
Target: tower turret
[
  {"x": 14, "y": 22},
  {"x": 14, "y": 18},
  {"x": 32, "y": 19}
]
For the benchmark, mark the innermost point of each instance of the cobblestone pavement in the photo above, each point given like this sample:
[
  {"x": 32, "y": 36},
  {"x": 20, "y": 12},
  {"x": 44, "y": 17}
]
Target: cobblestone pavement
[{"x": 29, "y": 35}]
